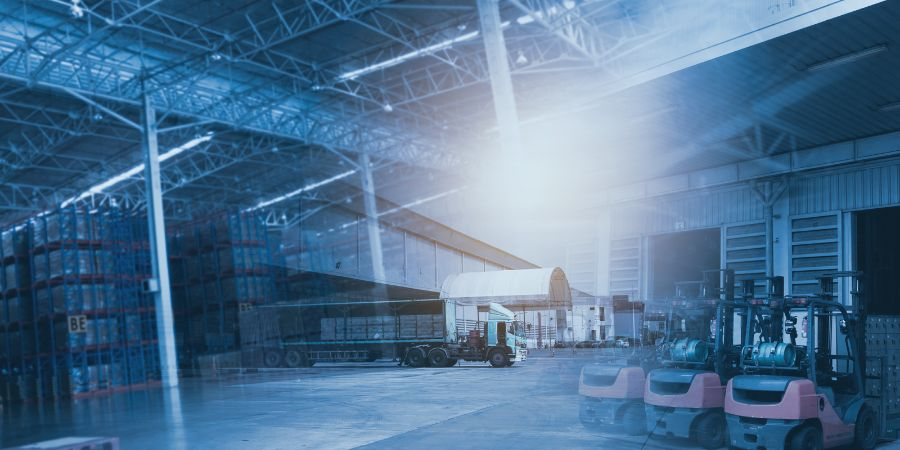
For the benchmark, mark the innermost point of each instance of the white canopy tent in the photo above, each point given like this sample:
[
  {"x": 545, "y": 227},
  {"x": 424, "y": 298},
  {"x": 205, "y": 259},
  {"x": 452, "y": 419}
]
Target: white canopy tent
[{"x": 527, "y": 289}]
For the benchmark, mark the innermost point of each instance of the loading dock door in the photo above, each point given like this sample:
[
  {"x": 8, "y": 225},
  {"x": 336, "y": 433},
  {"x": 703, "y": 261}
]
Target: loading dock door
[
  {"x": 878, "y": 257},
  {"x": 682, "y": 256}
]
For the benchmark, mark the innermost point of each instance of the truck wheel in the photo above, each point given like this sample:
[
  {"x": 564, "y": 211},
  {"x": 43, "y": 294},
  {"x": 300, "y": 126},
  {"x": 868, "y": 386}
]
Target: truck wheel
[
  {"x": 634, "y": 419},
  {"x": 438, "y": 357},
  {"x": 295, "y": 359},
  {"x": 416, "y": 357},
  {"x": 866, "y": 435},
  {"x": 710, "y": 430},
  {"x": 806, "y": 438},
  {"x": 498, "y": 358},
  {"x": 452, "y": 362},
  {"x": 510, "y": 364},
  {"x": 272, "y": 358}
]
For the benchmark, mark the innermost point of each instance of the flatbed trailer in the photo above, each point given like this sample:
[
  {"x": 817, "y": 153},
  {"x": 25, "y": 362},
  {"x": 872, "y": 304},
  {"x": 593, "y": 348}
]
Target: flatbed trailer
[{"x": 413, "y": 332}]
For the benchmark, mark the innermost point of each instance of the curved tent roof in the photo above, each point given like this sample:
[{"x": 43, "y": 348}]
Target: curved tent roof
[{"x": 545, "y": 288}]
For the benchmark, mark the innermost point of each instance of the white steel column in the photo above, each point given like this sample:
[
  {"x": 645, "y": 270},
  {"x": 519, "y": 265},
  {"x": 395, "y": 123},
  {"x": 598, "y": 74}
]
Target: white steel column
[
  {"x": 501, "y": 81},
  {"x": 368, "y": 187},
  {"x": 165, "y": 330}
]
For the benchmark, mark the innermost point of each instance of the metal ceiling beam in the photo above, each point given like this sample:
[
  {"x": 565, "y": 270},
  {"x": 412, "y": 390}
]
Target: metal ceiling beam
[{"x": 112, "y": 74}]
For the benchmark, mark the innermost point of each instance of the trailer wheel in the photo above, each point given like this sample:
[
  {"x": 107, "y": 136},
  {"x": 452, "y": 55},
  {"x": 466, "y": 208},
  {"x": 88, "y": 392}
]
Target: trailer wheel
[
  {"x": 272, "y": 358},
  {"x": 806, "y": 438},
  {"x": 866, "y": 435},
  {"x": 498, "y": 358},
  {"x": 710, "y": 431},
  {"x": 438, "y": 357},
  {"x": 294, "y": 359},
  {"x": 416, "y": 357}
]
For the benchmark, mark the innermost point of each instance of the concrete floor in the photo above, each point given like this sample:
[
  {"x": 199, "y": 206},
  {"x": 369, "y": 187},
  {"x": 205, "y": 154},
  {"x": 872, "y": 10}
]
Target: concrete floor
[{"x": 376, "y": 406}]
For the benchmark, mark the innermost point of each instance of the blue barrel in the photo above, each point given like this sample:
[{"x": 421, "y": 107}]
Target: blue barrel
[
  {"x": 778, "y": 354},
  {"x": 689, "y": 350}
]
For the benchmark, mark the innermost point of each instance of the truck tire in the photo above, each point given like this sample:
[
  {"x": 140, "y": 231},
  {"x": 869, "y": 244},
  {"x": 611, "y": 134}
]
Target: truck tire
[
  {"x": 510, "y": 364},
  {"x": 452, "y": 362},
  {"x": 438, "y": 357},
  {"x": 710, "y": 431},
  {"x": 295, "y": 359},
  {"x": 806, "y": 437},
  {"x": 498, "y": 358},
  {"x": 416, "y": 357},
  {"x": 272, "y": 358},
  {"x": 866, "y": 434}
]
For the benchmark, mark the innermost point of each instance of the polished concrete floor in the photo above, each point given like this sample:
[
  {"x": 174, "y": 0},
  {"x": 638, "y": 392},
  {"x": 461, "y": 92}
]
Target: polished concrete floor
[{"x": 377, "y": 406}]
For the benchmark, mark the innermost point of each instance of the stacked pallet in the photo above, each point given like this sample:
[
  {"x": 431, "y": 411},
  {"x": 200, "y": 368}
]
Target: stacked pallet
[
  {"x": 883, "y": 368},
  {"x": 220, "y": 267},
  {"x": 85, "y": 326},
  {"x": 94, "y": 326},
  {"x": 16, "y": 314}
]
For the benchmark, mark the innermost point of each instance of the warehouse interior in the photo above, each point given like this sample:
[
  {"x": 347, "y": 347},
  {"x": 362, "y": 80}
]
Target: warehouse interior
[{"x": 325, "y": 223}]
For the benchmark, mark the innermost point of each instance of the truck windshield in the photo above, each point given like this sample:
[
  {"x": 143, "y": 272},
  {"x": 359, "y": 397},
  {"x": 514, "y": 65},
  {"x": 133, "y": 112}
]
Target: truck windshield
[{"x": 516, "y": 329}]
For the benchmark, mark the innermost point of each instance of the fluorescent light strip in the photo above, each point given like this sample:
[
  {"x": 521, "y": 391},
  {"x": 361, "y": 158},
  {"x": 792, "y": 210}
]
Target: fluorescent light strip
[
  {"x": 134, "y": 171},
  {"x": 849, "y": 57},
  {"x": 353, "y": 74},
  {"x": 522, "y": 20},
  {"x": 297, "y": 192},
  {"x": 409, "y": 205}
]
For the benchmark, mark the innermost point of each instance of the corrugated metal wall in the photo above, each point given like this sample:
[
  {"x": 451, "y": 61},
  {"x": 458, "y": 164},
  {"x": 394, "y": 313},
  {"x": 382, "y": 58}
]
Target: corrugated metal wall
[
  {"x": 848, "y": 188},
  {"x": 686, "y": 211}
]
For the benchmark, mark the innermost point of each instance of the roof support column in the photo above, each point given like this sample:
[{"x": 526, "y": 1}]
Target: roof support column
[
  {"x": 501, "y": 81},
  {"x": 159, "y": 261},
  {"x": 368, "y": 188}
]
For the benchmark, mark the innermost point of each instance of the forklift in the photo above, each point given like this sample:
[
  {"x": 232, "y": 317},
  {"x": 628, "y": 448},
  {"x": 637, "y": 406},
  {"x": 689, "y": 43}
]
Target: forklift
[
  {"x": 685, "y": 397},
  {"x": 804, "y": 390},
  {"x": 612, "y": 392}
]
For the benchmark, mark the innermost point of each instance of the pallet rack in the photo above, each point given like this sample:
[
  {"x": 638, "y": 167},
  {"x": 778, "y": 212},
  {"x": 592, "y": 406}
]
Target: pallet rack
[{"x": 220, "y": 267}]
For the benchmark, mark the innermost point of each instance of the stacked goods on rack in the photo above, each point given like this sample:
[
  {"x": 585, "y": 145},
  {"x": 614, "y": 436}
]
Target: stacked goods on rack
[
  {"x": 16, "y": 314},
  {"x": 882, "y": 345},
  {"x": 92, "y": 326},
  {"x": 220, "y": 267}
]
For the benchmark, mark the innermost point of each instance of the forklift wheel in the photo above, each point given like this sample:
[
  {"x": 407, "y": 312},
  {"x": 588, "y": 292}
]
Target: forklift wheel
[
  {"x": 633, "y": 419},
  {"x": 710, "y": 431},
  {"x": 866, "y": 436},
  {"x": 806, "y": 438}
]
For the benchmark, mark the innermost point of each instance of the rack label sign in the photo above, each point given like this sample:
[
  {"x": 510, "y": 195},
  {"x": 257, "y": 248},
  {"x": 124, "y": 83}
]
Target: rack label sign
[{"x": 78, "y": 324}]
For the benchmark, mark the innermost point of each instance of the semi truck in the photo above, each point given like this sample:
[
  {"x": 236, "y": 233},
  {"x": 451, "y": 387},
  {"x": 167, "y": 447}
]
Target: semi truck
[{"x": 417, "y": 333}]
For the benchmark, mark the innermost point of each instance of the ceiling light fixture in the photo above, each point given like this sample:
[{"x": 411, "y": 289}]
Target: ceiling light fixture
[
  {"x": 888, "y": 107},
  {"x": 443, "y": 45},
  {"x": 848, "y": 58},
  {"x": 297, "y": 192},
  {"x": 134, "y": 171}
]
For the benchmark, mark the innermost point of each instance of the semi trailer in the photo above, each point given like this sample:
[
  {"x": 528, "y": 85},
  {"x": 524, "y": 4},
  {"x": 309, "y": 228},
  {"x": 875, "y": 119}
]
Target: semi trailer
[{"x": 417, "y": 333}]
